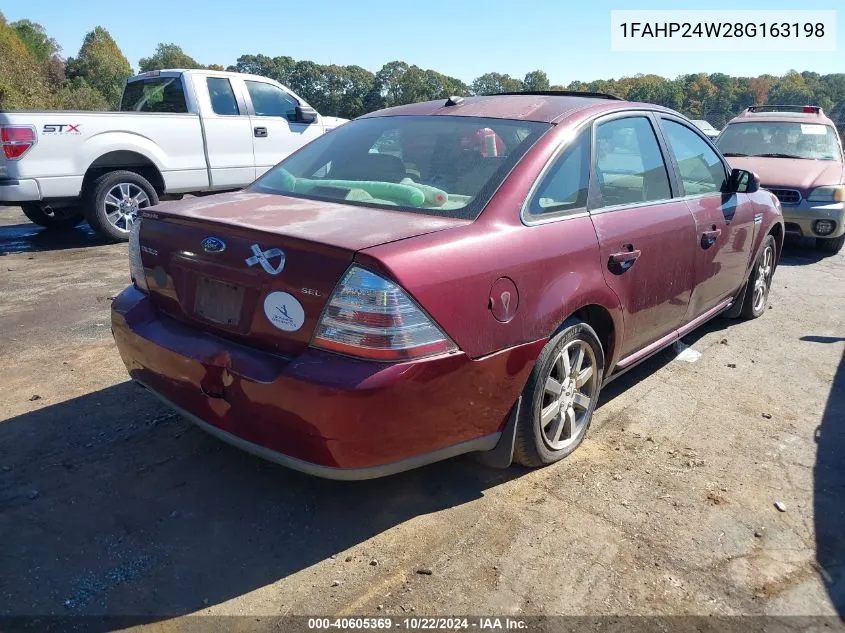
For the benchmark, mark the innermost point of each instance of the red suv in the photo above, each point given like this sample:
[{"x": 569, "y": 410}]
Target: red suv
[
  {"x": 797, "y": 153},
  {"x": 444, "y": 277}
]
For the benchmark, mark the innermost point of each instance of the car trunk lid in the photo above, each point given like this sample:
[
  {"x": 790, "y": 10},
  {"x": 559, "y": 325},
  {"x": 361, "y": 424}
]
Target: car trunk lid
[{"x": 259, "y": 268}]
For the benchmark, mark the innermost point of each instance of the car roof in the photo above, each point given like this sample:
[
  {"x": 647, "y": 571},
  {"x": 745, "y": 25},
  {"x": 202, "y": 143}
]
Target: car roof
[
  {"x": 545, "y": 108},
  {"x": 749, "y": 116}
]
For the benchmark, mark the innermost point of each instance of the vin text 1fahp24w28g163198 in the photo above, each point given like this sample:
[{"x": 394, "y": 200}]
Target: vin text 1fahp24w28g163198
[{"x": 441, "y": 278}]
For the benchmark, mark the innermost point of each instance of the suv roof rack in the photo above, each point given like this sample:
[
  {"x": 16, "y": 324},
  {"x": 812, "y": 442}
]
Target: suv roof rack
[
  {"x": 801, "y": 109},
  {"x": 559, "y": 93}
]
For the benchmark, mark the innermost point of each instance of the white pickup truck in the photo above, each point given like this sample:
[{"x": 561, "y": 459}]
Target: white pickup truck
[{"x": 177, "y": 132}]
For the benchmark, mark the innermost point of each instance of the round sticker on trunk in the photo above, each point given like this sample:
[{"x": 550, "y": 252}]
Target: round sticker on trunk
[{"x": 284, "y": 311}]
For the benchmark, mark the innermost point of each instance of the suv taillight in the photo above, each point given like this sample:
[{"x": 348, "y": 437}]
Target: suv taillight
[
  {"x": 371, "y": 317},
  {"x": 16, "y": 140}
]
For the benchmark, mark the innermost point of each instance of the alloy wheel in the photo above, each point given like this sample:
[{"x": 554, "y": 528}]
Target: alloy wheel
[
  {"x": 122, "y": 203},
  {"x": 763, "y": 278},
  {"x": 567, "y": 396}
]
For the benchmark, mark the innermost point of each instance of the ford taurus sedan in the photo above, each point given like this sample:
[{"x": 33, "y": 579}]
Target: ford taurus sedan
[{"x": 442, "y": 278}]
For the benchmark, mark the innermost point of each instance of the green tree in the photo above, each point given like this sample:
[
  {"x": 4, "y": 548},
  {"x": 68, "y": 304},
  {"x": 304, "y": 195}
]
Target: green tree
[
  {"x": 278, "y": 68},
  {"x": 167, "y": 56},
  {"x": 656, "y": 89},
  {"x": 23, "y": 83},
  {"x": 102, "y": 64},
  {"x": 536, "y": 80},
  {"x": 491, "y": 83},
  {"x": 35, "y": 38},
  {"x": 791, "y": 89},
  {"x": 78, "y": 94}
]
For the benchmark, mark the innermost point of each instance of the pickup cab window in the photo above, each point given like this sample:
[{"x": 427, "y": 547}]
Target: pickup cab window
[
  {"x": 222, "y": 96},
  {"x": 268, "y": 100},
  {"x": 154, "y": 94}
]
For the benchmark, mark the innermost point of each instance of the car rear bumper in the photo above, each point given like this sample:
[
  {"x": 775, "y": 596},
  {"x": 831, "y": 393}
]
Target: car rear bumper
[
  {"x": 19, "y": 191},
  {"x": 802, "y": 218},
  {"x": 321, "y": 413}
]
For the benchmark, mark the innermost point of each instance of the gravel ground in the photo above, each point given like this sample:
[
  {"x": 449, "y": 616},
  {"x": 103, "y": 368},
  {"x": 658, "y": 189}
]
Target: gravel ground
[{"x": 110, "y": 504}]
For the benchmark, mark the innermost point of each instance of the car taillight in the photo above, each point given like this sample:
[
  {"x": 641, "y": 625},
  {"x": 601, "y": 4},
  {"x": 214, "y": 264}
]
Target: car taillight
[
  {"x": 136, "y": 267},
  {"x": 16, "y": 140},
  {"x": 371, "y": 317}
]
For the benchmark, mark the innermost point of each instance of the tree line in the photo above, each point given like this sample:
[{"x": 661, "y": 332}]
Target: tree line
[{"x": 34, "y": 74}]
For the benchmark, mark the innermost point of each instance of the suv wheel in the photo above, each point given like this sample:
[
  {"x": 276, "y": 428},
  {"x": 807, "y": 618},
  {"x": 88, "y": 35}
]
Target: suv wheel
[
  {"x": 113, "y": 202},
  {"x": 561, "y": 395},
  {"x": 830, "y": 244}
]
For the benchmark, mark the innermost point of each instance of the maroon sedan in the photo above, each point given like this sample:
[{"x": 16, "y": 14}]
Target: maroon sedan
[{"x": 441, "y": 278}]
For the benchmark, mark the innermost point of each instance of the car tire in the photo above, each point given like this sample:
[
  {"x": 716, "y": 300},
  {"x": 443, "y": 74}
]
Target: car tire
[
  {"x": 558, "y": 407},
  {"x": 830, "y": 244},
  {"x": 760, "y": 280},
  {"x": 50, "y": 218},
  {"x": 113, "y": 201}
]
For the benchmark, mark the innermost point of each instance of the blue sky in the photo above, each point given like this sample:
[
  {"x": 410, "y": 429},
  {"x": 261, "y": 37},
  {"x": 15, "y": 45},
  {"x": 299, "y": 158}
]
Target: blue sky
[{"x": 462, "y": 38}]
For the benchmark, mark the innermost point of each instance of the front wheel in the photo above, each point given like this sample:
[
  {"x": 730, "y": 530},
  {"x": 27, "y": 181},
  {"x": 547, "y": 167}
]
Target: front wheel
[
  {"x": 560, "y": 396},
  {"x": 113, "y": 202},
  {"x": 830, "y": 244},
  {"x": 50, "y": 218},
  {"x": 760, "y": 281}
]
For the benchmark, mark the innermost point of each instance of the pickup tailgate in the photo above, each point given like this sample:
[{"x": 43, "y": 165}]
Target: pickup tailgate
[{"x": 225, "y": 292}]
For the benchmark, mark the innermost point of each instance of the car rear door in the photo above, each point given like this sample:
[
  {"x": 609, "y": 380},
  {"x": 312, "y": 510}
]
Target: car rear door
[
  {"x": 724, "y": 221},
  {"x": 228, "y": 130},
  {"x": 275, "y": 131},
  {"x": 644, "y": 234}
]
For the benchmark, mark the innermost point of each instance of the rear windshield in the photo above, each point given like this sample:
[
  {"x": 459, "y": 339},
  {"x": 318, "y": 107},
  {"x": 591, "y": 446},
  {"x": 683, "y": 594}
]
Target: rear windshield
[
  {"x": 441, "y": 165},
  {"x": 778, "y": 139},
  {"x": 156, "y": 94}
]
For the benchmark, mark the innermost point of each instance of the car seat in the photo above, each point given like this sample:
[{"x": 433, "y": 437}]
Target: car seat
[{"x": 379, "y": 167}]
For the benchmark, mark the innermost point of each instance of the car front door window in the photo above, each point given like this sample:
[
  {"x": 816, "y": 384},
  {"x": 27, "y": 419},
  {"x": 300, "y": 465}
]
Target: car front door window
[
  {"x": 269, "y": 100},
  {"x": 700, "y": 169}
]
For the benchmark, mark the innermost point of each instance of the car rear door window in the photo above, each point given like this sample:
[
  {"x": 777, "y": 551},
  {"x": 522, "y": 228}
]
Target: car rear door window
[
  {"x": 629, "y": 165},
  {"x": 700, "y": 168},
  {"x": 222, "y": 96},
  {"x": 565, "y": 185},
  {"x": 269, "y": 100}
]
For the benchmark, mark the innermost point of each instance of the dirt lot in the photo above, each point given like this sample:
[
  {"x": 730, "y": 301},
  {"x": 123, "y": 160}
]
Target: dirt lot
[{"x": 109, "y": 504}]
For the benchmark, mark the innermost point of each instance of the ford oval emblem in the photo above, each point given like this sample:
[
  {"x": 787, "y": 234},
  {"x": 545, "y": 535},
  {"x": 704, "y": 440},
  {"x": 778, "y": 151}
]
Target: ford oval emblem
[{"x": 213, "y": 245}]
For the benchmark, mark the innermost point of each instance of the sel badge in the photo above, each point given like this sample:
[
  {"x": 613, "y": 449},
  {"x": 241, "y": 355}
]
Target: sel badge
[{"x": 284, "y": 311}]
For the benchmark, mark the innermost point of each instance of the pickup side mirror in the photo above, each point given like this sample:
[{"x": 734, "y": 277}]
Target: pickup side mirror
[
  {"x": 743, "y": 181},
  {"x": 305, "y": 114}
]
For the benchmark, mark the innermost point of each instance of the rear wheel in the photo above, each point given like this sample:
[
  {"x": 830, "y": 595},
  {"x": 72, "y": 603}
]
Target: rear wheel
[
  {"x": 760, "y": 281},
  {"x": 50, "y": 218},
  {"x": 830, "y": 244},
  {"x": 113, "y": 202},
  {"x": 560, "y": 396}
]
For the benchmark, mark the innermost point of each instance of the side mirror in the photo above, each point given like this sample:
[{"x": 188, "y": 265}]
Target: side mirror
[
  {"x": 305, "y": 114},
  {"x": 743, "y": 181}
]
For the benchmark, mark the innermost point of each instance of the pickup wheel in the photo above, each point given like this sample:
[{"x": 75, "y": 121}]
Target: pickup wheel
[
  {"x": 50, "y": 218},
  {"x": 113, "y": 202},
  {"x": 830, "y": 244}
]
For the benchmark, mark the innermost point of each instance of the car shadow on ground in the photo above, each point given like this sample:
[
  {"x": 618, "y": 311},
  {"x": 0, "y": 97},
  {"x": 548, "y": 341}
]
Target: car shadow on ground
[
  {"x": 801, "y": 251},
  {"x": 29, "y": 238},
  {"x": 829, "y": 491},
  {"x": 112, "y": 505}
]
